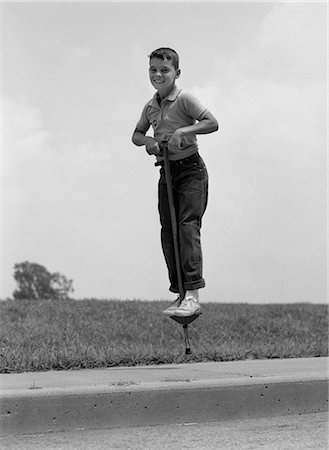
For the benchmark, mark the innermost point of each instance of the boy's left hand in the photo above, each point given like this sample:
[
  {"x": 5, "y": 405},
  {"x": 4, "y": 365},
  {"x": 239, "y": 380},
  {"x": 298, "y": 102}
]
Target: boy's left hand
[{"x": 176, "y": 141}]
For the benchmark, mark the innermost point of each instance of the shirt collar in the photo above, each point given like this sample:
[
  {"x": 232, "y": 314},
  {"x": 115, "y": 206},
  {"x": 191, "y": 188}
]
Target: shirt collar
[{"x": 171, "y": 96}]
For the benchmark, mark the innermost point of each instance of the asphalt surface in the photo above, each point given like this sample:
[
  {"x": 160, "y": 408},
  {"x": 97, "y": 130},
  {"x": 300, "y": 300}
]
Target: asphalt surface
[
  {"x": 38, "y": 402},
  {"x": 307, "y": 431}
]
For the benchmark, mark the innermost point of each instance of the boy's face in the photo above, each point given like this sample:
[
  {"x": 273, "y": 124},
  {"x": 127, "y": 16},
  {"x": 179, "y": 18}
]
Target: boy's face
[{"x": 163, "y": 75}]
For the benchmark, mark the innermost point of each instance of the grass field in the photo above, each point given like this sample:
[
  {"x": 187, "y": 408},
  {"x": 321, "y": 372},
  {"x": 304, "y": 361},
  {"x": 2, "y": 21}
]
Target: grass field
[{"x": 44, "y": 335}]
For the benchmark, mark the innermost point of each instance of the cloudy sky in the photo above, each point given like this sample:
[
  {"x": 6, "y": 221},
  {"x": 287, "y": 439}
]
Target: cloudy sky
[{"x": 81, "y": 199}]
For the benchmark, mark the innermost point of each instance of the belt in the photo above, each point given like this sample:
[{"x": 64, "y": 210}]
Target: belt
[{"x": 178, "y": 162}]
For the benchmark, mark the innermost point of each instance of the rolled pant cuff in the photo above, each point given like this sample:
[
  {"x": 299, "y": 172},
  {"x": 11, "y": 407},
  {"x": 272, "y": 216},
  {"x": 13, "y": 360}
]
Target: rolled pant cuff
[
  {"x": 189, "y": 286},
  {"x": 194, "y": 285},
  {"x": 174, "y": 290}
]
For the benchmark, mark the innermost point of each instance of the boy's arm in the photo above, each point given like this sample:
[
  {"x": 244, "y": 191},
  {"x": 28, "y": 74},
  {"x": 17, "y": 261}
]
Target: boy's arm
[
  {"x": 151, "y": 145},
  {"x": 208, "y": 124}
]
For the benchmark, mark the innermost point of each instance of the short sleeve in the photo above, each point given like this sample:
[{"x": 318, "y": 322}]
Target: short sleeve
[
  {"x": 192, "y": 106},
  {"x": 143, "y": 124}
]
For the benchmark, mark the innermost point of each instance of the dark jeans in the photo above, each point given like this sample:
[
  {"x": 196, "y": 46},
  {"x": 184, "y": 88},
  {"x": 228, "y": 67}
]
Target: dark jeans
[{"x": 190, "y": 192}]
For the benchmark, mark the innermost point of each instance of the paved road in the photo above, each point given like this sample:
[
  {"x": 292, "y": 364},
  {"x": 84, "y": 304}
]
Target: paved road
[{"x": 309, "y": 431}]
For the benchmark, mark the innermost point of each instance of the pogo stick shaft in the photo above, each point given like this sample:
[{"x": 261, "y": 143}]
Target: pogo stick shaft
[{"x": 173, "y": 219}]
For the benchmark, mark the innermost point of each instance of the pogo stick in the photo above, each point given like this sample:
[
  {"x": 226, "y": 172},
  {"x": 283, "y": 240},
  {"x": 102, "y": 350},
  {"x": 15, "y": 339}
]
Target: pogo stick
[{"x": 185, "y": 321}]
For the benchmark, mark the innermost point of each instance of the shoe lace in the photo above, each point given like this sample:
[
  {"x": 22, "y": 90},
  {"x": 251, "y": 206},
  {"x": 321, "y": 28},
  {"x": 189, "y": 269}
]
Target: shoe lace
[{"x": 188, "y": 300}]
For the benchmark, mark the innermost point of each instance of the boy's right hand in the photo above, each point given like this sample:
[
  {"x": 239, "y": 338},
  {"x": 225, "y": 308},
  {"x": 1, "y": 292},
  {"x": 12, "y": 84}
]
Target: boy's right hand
[{"x": 152, "y": 147}]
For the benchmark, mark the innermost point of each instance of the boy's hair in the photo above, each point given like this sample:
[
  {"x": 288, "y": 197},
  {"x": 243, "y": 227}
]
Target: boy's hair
[{"x": 166, "y": 53}]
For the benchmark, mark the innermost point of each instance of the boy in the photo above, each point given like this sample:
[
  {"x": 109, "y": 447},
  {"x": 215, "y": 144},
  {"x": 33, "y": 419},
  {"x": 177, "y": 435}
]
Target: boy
[{"x": 176, "y": 118}]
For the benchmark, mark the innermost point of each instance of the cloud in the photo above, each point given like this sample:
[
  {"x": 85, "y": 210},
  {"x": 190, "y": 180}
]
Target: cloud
[
  {"x": 77, "y": 54},
  {"x": 25, "y": 142},
  {"x": 292, "y": 40},
  {"x": 22, "y": 127},
  {"x": 74, "y": 207},
  {"x": 267, "y": 166},
  {"x": 208, "y": 93}
]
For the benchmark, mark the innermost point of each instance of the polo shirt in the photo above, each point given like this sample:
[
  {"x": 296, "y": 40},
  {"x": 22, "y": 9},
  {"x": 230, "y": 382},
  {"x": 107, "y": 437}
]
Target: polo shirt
[{"x": 177, "y": 110}]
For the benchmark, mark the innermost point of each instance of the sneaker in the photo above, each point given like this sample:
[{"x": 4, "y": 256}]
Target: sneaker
[
  {"x": 187, "y": 308},
  {"x": 172, "y": 307}
]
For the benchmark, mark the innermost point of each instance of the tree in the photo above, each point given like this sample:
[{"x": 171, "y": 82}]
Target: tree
[{"x": 36, "y": 283}]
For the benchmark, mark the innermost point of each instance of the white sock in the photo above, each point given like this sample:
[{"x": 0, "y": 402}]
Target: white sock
[{"x": 192, "y": 293}]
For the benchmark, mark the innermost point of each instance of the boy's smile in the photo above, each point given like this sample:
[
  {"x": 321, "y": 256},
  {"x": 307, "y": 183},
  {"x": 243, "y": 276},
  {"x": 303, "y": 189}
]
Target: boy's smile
[{"x": 163, "y": 75}]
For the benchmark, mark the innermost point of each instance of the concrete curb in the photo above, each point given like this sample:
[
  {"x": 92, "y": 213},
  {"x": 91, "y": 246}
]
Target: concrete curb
[{"x": 150, "y": 395}]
